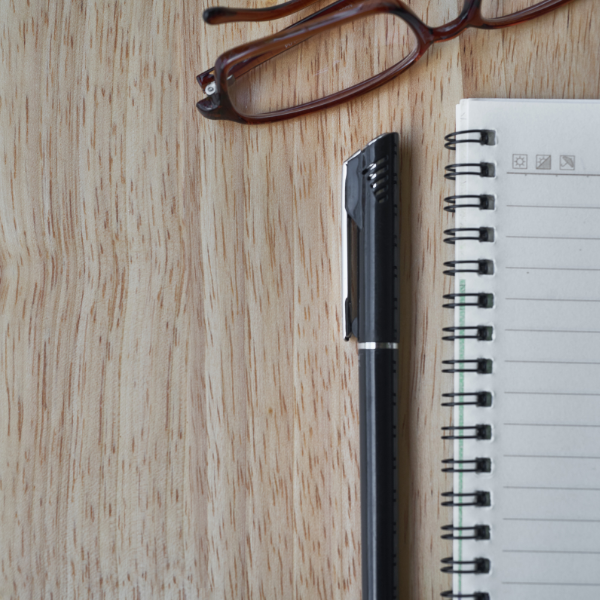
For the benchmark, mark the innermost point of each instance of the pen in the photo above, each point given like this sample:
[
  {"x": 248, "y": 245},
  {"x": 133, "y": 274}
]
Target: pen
[{"x": 370, "y": 285}]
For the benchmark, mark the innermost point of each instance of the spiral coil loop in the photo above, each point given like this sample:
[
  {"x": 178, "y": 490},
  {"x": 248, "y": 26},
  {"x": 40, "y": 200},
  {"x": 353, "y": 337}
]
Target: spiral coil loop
[
  {"x": 462, "y": 234},
  {"x": 476, "y": 566},
  {"x": 476, "y": 465},
  {"x": 483, "y": 202},
  {"x": 477, "y": 532},
  {"x": 483, "y": 366},
  {"x": 477, "y": 498},
  {"x": 479, "y": 432},
  {"x": 483, "y": 399},
  {"x": 483, "y": 300},
  {"x": 482, "y": 333},
  {"x": 470, "y": 432},
  {"x": 473, "y": 596},
  {"x": 483, "y": 267},
  {"x": 485, "y": 138},
  {"x": 469, "y": 170}
]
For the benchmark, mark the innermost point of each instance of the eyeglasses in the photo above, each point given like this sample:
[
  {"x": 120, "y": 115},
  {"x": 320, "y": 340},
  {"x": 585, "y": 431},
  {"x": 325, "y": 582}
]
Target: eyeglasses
[{"x": 338, "y": 53}]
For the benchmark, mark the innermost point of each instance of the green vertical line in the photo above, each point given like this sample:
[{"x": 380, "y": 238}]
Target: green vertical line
[{"x": 461, "y": 389}]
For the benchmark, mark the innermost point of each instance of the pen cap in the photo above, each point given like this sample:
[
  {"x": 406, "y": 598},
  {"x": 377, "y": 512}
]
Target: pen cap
[{"x": 372, "y": 206}]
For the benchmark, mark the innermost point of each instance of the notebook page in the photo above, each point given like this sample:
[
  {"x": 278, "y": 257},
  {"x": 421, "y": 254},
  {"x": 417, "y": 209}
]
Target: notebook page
[{"x": 544, "y": 516}]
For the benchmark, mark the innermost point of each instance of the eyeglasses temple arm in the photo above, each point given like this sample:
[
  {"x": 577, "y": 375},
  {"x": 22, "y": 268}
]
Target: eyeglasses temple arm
[
  {"x": 221, "y": 14},
  {"x": 244, "y": 66},
  {"x": 206, "y": 78}
]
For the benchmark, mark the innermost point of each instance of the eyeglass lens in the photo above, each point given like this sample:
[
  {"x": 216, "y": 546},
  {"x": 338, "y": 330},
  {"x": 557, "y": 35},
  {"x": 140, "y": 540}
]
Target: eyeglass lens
[
  {"x": 324, "y": 64},
  {"x": 493, "y": 9}
]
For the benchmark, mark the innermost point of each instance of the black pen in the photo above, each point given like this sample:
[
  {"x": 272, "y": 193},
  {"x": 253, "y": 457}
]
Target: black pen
[{"x": 370, "y": 285}]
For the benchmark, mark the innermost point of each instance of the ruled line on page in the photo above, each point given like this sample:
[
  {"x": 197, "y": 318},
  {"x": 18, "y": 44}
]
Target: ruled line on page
[
  {"x": 553, "y": 456},
  {"x": 550, "y": 206},
  {"x": 554, "y": 299},
  {"x": 551, "y": 331},
  {"x": 552, "y": 269},
  {"x": 550, "y": 583},
  {"x": 551, "y": 174},
  {"x": 552, "y": 393},
  {"x": 551, "y": 551},
  {"x": 551, "y": 520},
  {"x": 551, "y": 362},
  {"x": 550, "y": 488},
  {"x": 549, "y": 237},
  {"x": 550, "y": 425}
]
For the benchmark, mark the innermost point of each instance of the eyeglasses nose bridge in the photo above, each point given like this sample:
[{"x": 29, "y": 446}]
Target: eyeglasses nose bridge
[{"x": 469, "y": 16}]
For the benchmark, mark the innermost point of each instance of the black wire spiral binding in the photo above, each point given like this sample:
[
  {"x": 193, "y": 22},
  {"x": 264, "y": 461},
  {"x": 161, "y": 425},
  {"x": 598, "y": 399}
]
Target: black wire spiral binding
[
  {"x": 470, "y": 169},
  {"x": 478, "y": 333},
  {"x": 475, "y": 465},
  {"x": 486, "y": 138},
  {"x": 473, "y": 596},
  {"x": 484, "y": 267},
  {"x": 483, "y": 366},
  {"x": 483, "y": 202},
  {"x": 482, "y": 333},
  {"x": 475, "y": 234},
  {"x": 483, "y": 300},
  {"x": 477, "y": 532},
  {"x": 479, "y": 498},
  {"x": 466, "y": 567},
  {"x": 479, "y": 432},
  {"x": 482, "y": 399}
]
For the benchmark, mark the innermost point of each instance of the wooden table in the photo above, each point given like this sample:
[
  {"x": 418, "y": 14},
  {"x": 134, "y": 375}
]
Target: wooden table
[{"x": 179, "y": 413}]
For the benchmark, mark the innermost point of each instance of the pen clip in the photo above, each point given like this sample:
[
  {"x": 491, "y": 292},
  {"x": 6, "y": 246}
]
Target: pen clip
[{"x": 350, "y": 216}]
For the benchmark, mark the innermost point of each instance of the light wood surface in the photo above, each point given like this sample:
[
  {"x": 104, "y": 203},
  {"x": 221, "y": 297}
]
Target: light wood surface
[{"x": 179, "y": 413}]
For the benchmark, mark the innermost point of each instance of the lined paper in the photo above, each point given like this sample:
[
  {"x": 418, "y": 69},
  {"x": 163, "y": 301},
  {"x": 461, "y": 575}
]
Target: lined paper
[{"x": 545, "y": 450}]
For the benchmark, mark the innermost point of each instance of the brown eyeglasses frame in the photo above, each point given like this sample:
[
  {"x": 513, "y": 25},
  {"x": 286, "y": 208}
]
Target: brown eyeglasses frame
[{"x": 241, "y": 59}]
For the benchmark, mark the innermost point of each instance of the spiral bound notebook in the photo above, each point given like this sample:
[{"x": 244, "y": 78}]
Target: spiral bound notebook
[{"x": 526, "y": 399}]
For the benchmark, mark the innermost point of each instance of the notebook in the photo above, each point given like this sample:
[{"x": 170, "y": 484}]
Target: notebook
[{"x": 526, "y": 398}]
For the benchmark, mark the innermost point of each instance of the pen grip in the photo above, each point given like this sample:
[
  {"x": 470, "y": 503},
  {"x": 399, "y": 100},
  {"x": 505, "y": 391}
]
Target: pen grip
[{"x": 378, "y": 472}]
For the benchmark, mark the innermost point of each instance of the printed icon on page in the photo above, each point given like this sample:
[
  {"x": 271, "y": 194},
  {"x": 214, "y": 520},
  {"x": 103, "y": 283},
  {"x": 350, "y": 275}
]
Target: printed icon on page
[
  {"x": 567, "y": 162},
  {"x": 519, "y": 161},
  {"x": 543, "y": 161}
]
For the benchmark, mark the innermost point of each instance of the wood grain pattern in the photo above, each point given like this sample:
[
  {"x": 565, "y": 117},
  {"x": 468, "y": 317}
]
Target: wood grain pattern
[{"x": 178, "y": 411}]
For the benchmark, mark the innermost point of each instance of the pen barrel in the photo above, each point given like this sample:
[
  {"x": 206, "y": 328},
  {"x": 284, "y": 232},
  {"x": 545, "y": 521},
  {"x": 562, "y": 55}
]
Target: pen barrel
[
  {"x": 378, "y": 472},
  {"x": 370, "y": 269}
]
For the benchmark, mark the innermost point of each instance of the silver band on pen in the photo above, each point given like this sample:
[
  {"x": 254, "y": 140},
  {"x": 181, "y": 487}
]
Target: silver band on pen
[{"x": 377, "y": 346}]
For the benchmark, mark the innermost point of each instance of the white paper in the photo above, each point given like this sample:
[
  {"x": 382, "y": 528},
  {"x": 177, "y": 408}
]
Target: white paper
[{"x": 545, "y": 450}]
